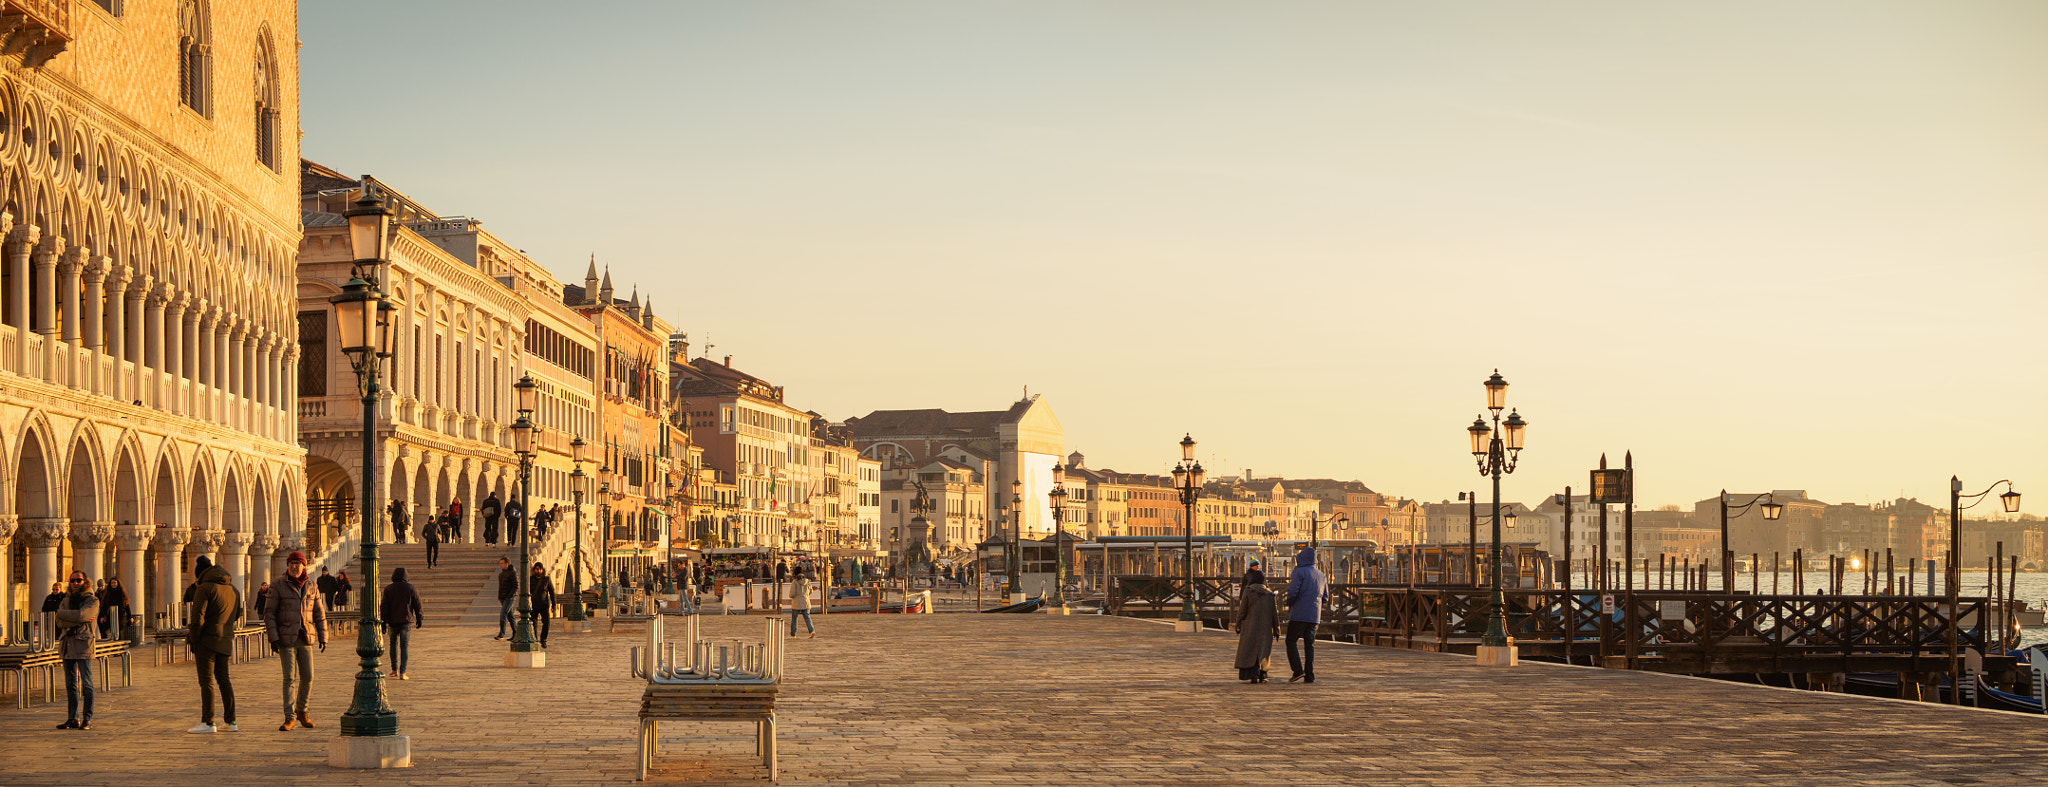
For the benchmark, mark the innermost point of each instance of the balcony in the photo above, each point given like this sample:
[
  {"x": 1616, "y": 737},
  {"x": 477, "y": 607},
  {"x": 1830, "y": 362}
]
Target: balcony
[{"x": 38, "y": 30}]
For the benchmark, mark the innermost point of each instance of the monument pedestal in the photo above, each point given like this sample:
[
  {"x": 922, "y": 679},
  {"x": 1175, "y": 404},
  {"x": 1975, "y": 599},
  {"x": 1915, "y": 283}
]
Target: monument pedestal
[
  {"x": 1498, "y": 656},
  {"x": 387, "y": 751}
]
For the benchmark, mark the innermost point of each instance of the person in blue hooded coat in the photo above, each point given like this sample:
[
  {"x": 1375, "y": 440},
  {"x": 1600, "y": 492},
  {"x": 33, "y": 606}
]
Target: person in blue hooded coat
[{"x": 1306, "y": 590}]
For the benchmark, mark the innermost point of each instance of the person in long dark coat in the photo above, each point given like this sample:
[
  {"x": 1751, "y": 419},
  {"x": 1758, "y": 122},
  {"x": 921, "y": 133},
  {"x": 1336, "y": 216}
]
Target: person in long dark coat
[
  {"x": 1258, "y": 625},
  {"x": 491, "y": 508},
  {"x": 431, "y": 533}
]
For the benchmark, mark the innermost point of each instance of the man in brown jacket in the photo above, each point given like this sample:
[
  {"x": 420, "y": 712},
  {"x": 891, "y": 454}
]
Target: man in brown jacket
[
  {"x": 216, "y": 608},
  {"x": 77, "y": 612},
  {"x": 295, "y": 620}
]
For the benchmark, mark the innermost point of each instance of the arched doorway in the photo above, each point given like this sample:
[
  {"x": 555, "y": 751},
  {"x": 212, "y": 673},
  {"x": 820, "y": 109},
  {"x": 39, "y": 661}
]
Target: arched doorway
[{"x": 331, "y": 503}]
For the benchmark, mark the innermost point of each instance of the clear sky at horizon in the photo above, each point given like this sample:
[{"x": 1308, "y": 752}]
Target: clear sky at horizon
[{"x": 1762, "y": 245}]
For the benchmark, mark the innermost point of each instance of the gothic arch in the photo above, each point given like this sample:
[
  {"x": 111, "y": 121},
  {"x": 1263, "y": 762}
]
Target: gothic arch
[
  {"x": 128, "y": 500},
  {"x": 84, "y": 481}
]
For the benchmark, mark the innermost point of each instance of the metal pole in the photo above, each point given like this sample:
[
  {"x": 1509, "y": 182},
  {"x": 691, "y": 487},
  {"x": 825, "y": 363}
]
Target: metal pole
[
  {"x": 1471, "y": 541},
  {"x": 1955, "y": 582},
  {"x": 575, "y": 613},
  {"x": 1571, "y": 607},
  {"x": 1187, "y": 596},
  {"x": 522, "y": 634},
  {"x": 1727, "y": 565},
  {"x": 1497, "y": 625},
  {"x": 369, "y": 711}
]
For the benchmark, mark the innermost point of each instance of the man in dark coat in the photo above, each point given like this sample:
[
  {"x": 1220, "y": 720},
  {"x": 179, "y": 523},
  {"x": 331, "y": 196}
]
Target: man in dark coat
[
  {"x": 326, "y": 585},
  {"x": 295, "y": 621},
  {"x": 542, "y": 589},
  {"x": 491, "y": 509},
  {"x": 1306, "y": 589},
  {"x": 216, "y": 608},
  {"x": 400, "y": 610},
  {"x": 56, "y": 597},
  {"x": 508, "y": 592},
  {"x": 77, "y": 613},
  {"x": 432, "y": 536}
]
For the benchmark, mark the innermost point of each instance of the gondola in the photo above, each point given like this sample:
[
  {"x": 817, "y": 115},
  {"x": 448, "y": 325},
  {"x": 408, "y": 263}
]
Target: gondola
[
  {"x": 1028, "y": 605},
  {"x": 891, "y": 607}
]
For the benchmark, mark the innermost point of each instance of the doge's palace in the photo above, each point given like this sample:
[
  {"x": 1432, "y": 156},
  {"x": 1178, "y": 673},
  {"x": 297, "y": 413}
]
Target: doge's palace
[{"x": 149, "y": 166}]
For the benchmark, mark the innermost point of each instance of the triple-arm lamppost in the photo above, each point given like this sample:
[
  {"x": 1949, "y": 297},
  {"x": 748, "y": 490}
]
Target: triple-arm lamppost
[
  {"x": 2011, "y": 501},
  {"x": 363, "y": 320},
  {"x": 1058, "y": 498},
  {"x": 579, "y": 452},
  {"x": 1188, "y": 477},
  {"x": 1771, "y": 508},
  {"x": 525, "y": 651},
  {"x": 1497, "y": 448}
]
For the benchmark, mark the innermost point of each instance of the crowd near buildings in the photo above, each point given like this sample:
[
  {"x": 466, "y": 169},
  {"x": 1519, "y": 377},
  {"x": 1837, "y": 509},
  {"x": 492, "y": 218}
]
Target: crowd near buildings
[{"x": 172, "y": 386}]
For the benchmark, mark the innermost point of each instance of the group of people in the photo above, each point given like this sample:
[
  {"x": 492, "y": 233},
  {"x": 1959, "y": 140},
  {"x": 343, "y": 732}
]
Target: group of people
[
  {"x": 113, "y": 604},
  {"x": 1258, "y": 618},
  {"x": 293, "y": 611},
  {"x": 541, "y": 595}
]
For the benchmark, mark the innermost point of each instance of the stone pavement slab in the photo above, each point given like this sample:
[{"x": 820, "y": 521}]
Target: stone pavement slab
[{"x": 1032, "y": 699}]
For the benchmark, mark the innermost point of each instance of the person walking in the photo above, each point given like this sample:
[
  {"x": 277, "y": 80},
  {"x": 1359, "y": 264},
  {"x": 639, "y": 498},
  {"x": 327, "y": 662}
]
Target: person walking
[
  {"x": 400, "y": 610},
  {"x": 508, "y": 590},
  {"x": 295, "y": 621},
  {"x": 1306, "y": 589},
  {"x": 77, "y": 612},
  {"x": 542, "y": 590},
  {"x": 216, "y": 607},
  {"x": 455, "y": 512},
  {"x": 492, "y": 508},
  {"x": 326, "y": 586},
  {"x": 342, "y": 587},
  {"x": 432, "y": 536},
  {"x": 1258, "y": 624},
  {"x": 399, "y": 526},
  {"x": 262, "y": 597},
  {"x": 800, "y": 606},
  {"x": 113, "y": 608}
]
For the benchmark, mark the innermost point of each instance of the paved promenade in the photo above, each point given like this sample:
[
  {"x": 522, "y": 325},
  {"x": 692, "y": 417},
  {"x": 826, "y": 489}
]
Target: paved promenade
[{"x": 1015, "y": 699}]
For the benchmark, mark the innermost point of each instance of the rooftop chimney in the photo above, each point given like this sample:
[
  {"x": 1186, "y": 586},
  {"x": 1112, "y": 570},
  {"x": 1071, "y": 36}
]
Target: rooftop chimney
[{"x": 728, "y": 362}]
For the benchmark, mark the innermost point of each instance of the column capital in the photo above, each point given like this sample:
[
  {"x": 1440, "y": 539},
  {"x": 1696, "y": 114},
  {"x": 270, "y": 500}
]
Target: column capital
[
  {"x": 91, "y": 534},
  {"x": 173, "y": 536},
  {"x": 45, "y": 531},
  {"x": 118, "y": 274},
  {"x": 181, "y": 300},
  {"x": 47, "y": 251},
  {"x": 98, "y": 269},
  {"x": 134, "y": 537},
  {"x": 74, "y": 259},
  {"x": 237, "y": 542},
  {"x": 8, "y": 524},
  {"x": 292, "y": 543},
  {"x": 160, "y": 294},
  {"x": 26, "y": 234},
  {"x": 210, "y": 539},
  {"x": 264, "y": 542}
]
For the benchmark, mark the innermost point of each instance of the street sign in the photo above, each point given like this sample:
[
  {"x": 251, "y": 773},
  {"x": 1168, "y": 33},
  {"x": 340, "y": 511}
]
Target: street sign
[{"x": 1607, "y": 603}]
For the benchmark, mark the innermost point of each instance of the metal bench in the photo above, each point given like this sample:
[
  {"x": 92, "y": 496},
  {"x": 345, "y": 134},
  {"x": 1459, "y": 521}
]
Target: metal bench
[
  {"x": 711, "y": 681},
  {"x": 23, "y": 666}
]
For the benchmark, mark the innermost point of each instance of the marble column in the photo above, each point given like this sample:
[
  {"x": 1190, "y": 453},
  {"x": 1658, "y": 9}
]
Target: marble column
[
  {"x": 45, "y": 260},
  {"x": 44, "y": 535},
  {"x": 183, "y": 352},
  {"x": 159, "y": 295},
  {"x": 291, "y": 395},
  {"x": 209, "y": 366},
  {"x": 9, "y": 631},
  {"x": 234, "y": 557},
  {"x": 93, "y": 314},
  {"x": 260, "y": 550},
  {"x": 89, "y": 547},
  {"x": 20, "y": 242},
  {"x": 133, "y": 543},
  {"x": 238, "y": 381},
  {"x": 69, "y": 267},
  {"x": 117, "y": 331},
  {"x": 136, "y": 348},
  {"x": 170, "y": 568}
]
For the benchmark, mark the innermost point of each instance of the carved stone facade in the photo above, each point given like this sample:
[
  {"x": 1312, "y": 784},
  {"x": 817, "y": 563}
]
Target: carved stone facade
[{"x": 146, "y": 329}]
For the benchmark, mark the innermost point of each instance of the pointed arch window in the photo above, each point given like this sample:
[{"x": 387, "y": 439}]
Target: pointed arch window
[
  {"x": 267, "y": 144},
  {"x": 195, "y": 57}
]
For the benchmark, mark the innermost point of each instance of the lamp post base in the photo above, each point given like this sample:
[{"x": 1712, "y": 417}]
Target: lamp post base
[
  {"x": 1057, "y": 610},
  {"x": 1498, "y": 655},
  {"x": 384, "y": 751},
  {"x": 1187, "y": 627},
  {"x": 526, "y": 659},
  {"x": 1016, "y": 598},
  {"x": 574, "y": 626}
]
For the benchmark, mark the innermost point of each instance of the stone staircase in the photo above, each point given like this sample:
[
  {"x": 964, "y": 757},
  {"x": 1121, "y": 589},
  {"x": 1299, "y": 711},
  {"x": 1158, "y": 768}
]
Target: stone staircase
[{"x": 462, "y": 590}]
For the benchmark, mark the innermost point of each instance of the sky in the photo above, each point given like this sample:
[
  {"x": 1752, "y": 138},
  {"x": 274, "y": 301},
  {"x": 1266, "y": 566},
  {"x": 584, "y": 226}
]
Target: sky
[{"x": 1761, "y": 245}]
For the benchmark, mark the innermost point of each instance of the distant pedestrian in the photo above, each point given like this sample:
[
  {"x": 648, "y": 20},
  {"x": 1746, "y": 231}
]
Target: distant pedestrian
[
  {"x": 400, "y": 610},
  {"x": 1258, "y": 624},
  {"x": 781, "y": 572},
  {"x": 326, "y": 585},
  {"x": 433, "y": 539},
  {"x": 492, "y": 508},
  {"x": 77, "y": 612},
  {"x": 541, "y": 591},
  {"x": 1306, "y": 589},
  {"x": 262, "y": 597},
  {"x": 800, "y": 606},
  {"x": 399, "y": 525},
  {"x": 1253, "y": 574},
  {"x": 56, "y": 597},
  {"x": 216, "y": 608},
  {"x": 455, "y": 511},
  {"x": 114, "y": 607},
  {"x": 295, "y": 621},
  {"x": 342, "y": 587},
  {"x": 508, "y": 589}
]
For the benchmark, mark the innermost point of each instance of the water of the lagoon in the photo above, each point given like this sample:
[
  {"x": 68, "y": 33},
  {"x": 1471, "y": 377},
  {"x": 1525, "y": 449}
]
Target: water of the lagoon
[{"x": 2030, "y": 587}]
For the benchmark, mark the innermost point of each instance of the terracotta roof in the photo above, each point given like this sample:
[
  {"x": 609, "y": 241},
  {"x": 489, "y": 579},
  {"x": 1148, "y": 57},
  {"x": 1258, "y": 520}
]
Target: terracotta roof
[{"x": 935, "y": 421}]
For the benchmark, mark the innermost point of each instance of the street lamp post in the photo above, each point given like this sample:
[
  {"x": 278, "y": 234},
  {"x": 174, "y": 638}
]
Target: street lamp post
[
  {"x": 525, "y": 651},
  {"x": 1497, "y": 448},
  {"x": 1016, "y": 541},
  {"x": 2011, "y": 501},
  {"x": 579, "y": 453},
  {"x": 369, "y": 728},
  {"x": 1058, "y": 496},
  {"x": 1188, "y": 477},
  {"x": 1772, "y": 509},
  {"x": 1315, "y": 527},
  {"x": 604, "y": 526}
]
